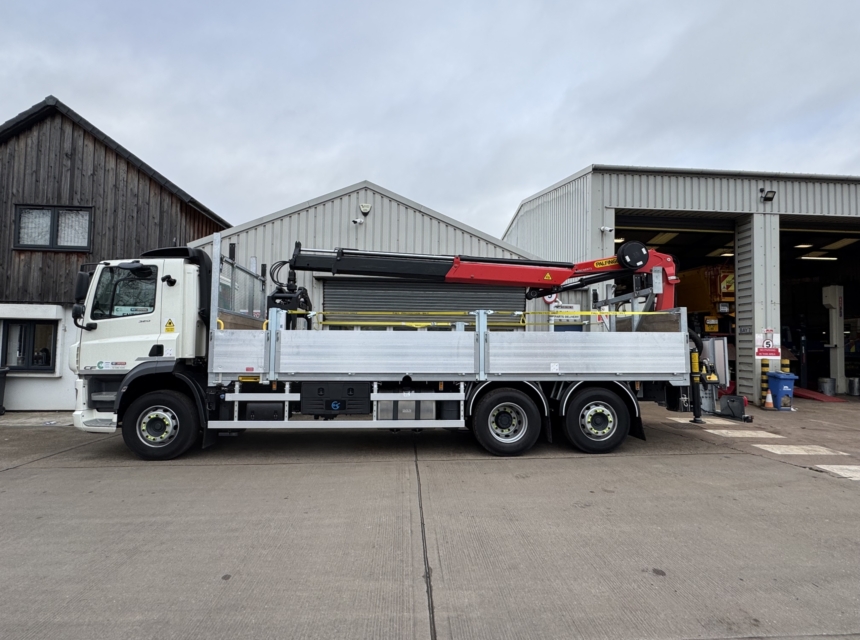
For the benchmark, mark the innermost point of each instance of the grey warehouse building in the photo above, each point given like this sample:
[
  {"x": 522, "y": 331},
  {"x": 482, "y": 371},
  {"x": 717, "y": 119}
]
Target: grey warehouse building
[{"x": 789, "y": 238}]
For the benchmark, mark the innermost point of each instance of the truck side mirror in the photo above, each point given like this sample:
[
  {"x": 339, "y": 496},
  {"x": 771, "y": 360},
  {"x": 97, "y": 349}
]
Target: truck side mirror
[
  {"x": 78, "y": 311},
  {"x": 82, "y": 284}
]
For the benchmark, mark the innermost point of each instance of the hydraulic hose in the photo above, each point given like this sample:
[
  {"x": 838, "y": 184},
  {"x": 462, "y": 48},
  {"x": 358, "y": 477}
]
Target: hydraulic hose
[{"x": 696, "y": 340}]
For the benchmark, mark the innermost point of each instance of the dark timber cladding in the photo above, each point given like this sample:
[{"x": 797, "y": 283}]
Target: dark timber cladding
[{"x": 51, "y": 156}]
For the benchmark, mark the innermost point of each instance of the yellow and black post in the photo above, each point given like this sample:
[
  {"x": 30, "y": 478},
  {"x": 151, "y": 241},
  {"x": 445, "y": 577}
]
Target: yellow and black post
[{"x": 695, "y": 389}]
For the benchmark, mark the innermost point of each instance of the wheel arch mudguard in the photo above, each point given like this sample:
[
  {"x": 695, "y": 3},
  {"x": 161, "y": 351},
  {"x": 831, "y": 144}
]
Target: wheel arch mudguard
[
  {"x": 622, "y": 390},
  {"x": 154, "y": 376},
  {"x": 532, "y": 389}
]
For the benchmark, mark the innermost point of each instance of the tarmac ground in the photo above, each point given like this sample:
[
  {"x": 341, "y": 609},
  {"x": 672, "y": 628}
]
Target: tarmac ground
[{"x": 714, "y": 531}]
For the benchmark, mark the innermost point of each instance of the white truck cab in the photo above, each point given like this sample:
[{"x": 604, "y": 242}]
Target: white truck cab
[{"x": 137, "y": 316}]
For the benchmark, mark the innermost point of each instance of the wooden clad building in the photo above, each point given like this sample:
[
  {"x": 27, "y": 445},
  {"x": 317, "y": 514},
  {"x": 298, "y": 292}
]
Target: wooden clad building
[{"x": 70, "y": 195}]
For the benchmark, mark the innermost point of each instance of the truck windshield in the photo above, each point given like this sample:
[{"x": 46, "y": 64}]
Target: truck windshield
[{"x": 121, "y": 292}]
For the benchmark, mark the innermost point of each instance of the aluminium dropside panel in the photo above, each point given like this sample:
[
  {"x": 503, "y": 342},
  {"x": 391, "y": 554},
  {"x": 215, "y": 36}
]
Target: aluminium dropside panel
[{"x": 453, "y": 355}]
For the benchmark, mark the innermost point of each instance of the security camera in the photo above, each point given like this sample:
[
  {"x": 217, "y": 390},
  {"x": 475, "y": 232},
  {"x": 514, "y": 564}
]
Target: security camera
[{"x": 357, "y": 221}]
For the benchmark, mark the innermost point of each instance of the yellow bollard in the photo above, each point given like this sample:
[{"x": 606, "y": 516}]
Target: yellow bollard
[{"x": 765, "y": 387}]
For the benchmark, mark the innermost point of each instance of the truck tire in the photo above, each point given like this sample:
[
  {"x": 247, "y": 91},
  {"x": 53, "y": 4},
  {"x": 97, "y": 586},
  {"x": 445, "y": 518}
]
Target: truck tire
[
  {"x": 506, "y": 422},
  {"x": 160, "y": 425},
  {"x": 596, "y": 420}
]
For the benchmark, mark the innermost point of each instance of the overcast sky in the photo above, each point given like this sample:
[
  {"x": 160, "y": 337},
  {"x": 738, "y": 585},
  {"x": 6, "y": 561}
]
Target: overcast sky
[{"x": 465, "y": 107}]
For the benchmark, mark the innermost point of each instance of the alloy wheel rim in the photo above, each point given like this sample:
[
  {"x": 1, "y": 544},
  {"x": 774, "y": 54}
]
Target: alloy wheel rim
[
  {"x": 508, "y": 422},
  {"x": 157, "y": 426},
  {"x": 598, "y": 421}
]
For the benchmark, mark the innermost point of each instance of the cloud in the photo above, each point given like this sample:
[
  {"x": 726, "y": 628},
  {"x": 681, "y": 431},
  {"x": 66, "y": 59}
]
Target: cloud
[{"x": 466, "y": 107}]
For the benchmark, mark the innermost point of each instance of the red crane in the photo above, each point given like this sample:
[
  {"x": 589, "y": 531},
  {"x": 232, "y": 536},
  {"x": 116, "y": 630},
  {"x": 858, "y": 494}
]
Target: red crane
[{"x": 538, "y": 277}]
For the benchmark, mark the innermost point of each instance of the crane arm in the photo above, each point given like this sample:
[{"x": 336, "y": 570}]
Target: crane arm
[{"x": 539, "y": 277}]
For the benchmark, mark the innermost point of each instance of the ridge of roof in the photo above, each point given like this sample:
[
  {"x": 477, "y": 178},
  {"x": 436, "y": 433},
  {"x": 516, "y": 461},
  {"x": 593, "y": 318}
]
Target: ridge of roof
[
  {"x": 367, "y": 184},
  {"x": 51, "y": 105}
]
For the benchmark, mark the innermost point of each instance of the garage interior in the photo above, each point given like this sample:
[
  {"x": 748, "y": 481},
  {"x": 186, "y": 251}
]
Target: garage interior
[{"x": 814, "y": 253}]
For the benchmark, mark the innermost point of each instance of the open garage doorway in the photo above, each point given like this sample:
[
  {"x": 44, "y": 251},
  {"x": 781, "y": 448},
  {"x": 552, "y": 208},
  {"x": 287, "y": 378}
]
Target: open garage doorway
[
  {"x": 704, "y": 250},
  {"x": 818, "y": 252}
]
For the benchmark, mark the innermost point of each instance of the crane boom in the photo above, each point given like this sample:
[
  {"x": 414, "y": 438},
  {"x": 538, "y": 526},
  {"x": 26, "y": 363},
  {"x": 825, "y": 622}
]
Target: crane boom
[{"x": 539, "y": 277}]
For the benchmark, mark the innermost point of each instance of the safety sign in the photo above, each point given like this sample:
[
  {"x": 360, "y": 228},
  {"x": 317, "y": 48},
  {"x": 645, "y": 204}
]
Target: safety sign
[{"x": 767, "y": 345}]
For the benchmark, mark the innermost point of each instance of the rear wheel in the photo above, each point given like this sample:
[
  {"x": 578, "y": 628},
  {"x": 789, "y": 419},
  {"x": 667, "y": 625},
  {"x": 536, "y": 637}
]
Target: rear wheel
[
  {"x": 160, "y": 425},
  {"x": 596, "y": 420},
  {"x": 506, "y": 422}
]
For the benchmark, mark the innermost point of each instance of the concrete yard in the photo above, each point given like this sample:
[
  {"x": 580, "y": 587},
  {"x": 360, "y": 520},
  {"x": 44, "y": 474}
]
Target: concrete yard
[{"x": 696, "y": 533}]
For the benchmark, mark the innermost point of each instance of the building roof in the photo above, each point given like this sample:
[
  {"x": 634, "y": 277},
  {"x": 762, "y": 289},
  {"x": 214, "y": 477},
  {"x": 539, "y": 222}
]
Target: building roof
[
  {"x": 366, "y": 184},
  {"x": 51, "y": 105}
]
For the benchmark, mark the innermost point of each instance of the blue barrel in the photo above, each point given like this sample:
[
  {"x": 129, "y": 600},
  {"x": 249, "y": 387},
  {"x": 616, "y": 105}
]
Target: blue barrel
[{"x": 781, "y": 386}]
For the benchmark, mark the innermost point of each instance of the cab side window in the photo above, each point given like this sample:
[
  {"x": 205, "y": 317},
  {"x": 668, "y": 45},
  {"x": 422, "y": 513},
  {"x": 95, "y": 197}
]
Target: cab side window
[{"x": 124, "y": 292}]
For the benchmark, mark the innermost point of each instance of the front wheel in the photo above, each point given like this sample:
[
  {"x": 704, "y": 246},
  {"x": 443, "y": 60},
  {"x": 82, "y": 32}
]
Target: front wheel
[
  {"x": 506, "y": 422},
  {"x": 160, "y": 425},
  {"x": 596, "y": 420}
]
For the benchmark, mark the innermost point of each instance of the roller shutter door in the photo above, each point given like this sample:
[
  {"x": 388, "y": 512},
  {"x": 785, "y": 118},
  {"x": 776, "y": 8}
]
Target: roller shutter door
[{"x": 375, "y": 296}]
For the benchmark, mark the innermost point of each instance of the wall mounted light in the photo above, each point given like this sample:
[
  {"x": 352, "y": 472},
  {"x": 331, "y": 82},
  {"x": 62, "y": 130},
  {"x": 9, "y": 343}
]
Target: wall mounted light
[{"x": 767, "y": 196}]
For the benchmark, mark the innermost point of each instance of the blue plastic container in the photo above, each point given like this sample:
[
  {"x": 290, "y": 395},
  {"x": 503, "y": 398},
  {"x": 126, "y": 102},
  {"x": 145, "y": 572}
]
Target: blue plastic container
[{"x": 781, "y": 386}]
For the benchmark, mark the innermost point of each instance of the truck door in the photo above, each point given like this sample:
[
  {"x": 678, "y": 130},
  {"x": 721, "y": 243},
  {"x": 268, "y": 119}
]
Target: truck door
[
  {"x": 178, "y": 305},
  {"x": 125, "y": 307}
]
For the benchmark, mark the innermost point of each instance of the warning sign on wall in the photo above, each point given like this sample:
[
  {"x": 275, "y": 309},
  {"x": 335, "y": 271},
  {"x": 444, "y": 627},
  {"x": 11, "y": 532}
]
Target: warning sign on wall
[
  {"x": 767, "y": 345},
  {"x": 727, "y": 283}
]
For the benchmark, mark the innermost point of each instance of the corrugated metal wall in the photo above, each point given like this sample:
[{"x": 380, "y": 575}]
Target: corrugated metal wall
[
  {"x": 746, "y": 372},
  {"x": 757, "y": 296},
  {"x": 557, "y": 224},
  {"x": 716, "y": 193},
  {"x": 392, "y": 225},
  {"x": 563, "y": 222}
]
